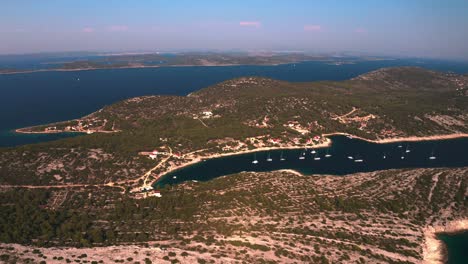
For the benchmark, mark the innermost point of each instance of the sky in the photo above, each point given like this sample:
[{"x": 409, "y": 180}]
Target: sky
[{"x": 420, "y": 28}]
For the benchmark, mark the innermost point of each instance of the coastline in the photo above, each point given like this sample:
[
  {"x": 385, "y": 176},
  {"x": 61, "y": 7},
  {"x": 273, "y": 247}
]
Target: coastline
[
  {"x": 144, "y": 66},
  {"x": 19, "y": 131},
  {"x": 402, "y": 139},
  {"x": 434, "y": 249},
  {"x": 327, "y": 143}
]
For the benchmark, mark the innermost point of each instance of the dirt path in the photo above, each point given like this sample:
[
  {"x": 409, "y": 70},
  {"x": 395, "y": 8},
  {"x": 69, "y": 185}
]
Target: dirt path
[
  {"x": 435, "y": 179},
  {"x": 345, "y": 115},
  {"x": 201, "y": 121},
  {"x": 148, "y": 173}
]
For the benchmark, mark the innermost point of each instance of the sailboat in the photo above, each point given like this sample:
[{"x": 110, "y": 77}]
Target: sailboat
[
  {"x": 407, "y": 149},
  {"x": 313, "y": 151},
  {"x": 281, "y": 156},
  {"x": 316, "y": 157},
  {"x": 255, "y": 161},
  {"x": 327, "y": 154},
  {"x": 432, "y": 157},
  {"x": 384, "y": 156},
  {"x": 302, "y": 156},
  {"x": 269, "y": 157},
  {"x": 358, "y": 159}
]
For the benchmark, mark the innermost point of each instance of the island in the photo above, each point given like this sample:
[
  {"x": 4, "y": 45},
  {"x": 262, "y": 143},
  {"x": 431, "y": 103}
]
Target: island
[
  {"x": 94, "y": 197},
  {"x": 184, "y": 59}
]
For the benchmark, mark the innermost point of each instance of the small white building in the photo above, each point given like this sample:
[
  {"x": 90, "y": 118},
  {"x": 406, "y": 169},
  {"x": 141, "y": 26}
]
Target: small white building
[
  {"x": 207, "y": 114},
  {"x": 153, "y": 156},
  {"x": 146, "y": 188},
  {"x": 155, "y": 194}
]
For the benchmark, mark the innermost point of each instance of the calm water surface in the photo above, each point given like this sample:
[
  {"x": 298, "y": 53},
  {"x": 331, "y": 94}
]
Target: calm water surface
[
  {"x": 345, "y": 156},
  {"x": 44, "y": 97},
  {"x": 457, "y": 246}
]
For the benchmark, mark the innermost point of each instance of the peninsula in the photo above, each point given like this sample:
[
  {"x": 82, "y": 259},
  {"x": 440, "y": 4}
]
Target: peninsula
[{"x": 96, "y": 190}]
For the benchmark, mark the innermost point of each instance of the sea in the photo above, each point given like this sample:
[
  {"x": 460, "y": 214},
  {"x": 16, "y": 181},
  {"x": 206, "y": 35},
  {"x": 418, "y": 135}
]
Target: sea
[
  {"x": 28, "y": 99},
  {"x": 344, "y": 156},
  {"x": 457, "y": 247}
]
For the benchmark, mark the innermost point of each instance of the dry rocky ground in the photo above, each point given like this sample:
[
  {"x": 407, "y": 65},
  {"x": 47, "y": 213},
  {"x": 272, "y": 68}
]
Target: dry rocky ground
[{"x": 283, "y": 217}]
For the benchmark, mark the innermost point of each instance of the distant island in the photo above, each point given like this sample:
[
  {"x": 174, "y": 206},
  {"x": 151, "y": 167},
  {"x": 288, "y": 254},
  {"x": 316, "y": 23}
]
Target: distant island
[
  {"x": 59, "y": 199},
  {"x": 154, "y": 60}
]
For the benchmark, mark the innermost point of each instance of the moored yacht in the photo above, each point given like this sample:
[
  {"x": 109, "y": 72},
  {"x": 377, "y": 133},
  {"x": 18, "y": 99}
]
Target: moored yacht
[
  {"x": 282, "y": 157},
  {"x": 407, "y": 149},
  {"x": 316, "y": 157},
  {"x": 255, "y": 161}
]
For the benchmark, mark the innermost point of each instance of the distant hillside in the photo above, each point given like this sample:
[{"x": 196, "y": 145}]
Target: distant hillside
[{"x": 406, "y": 101}]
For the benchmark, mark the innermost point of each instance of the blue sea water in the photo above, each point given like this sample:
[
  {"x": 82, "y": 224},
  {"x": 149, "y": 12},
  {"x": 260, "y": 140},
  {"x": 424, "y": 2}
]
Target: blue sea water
[
  {"x": 373, "y": 156},
  {"x": 44, "y": 97}
]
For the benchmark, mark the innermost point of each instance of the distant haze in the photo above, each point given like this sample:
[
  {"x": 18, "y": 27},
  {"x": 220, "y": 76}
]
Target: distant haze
[{"x": 422, "y": 28}]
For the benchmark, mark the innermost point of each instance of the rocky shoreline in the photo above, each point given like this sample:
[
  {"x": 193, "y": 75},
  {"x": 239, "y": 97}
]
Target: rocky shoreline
[{"x": 434, "y": 250}]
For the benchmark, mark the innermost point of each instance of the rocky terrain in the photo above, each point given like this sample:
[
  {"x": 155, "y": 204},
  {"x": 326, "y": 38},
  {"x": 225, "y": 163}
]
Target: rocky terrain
[
  {"x": 275, "y": 217},
  {"x": 78, "y": 192}
]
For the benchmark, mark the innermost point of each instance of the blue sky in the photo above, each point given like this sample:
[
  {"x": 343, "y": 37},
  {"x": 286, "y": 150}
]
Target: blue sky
[{"x": 425, "y": 28}]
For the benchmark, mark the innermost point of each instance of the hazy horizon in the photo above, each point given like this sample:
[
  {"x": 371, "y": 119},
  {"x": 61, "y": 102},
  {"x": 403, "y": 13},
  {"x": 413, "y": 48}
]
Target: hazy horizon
[{"x": 417, "y": 28}]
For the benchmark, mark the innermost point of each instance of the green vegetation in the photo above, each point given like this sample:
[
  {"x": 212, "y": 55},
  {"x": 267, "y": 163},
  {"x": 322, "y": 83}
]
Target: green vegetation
[{"x": 307, "y": 219}]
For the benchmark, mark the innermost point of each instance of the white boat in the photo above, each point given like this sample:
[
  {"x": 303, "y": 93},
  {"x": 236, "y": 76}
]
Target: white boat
[
  {"x": 432, "y": 157},
  {"x": 303, "y": 154},
  {"x": 327, "y": 155},
  {"x": 407, "y": 150},
  {"x": 281, "y": 157},
  {"x": 359, "y": 160},
  {"x": 255, "y": 161},
  {"x": 400, "y": 146},
  {"x": 269, "y": 159},
  {"x": 174, "y": 177},
  {"x": 384, "y": 156},
  {"x": 313, "y": 152},
  {"x": 350, "y": 157},
  {"x": 317, "y": 158},
  {"x": 402, "y": 157}
]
